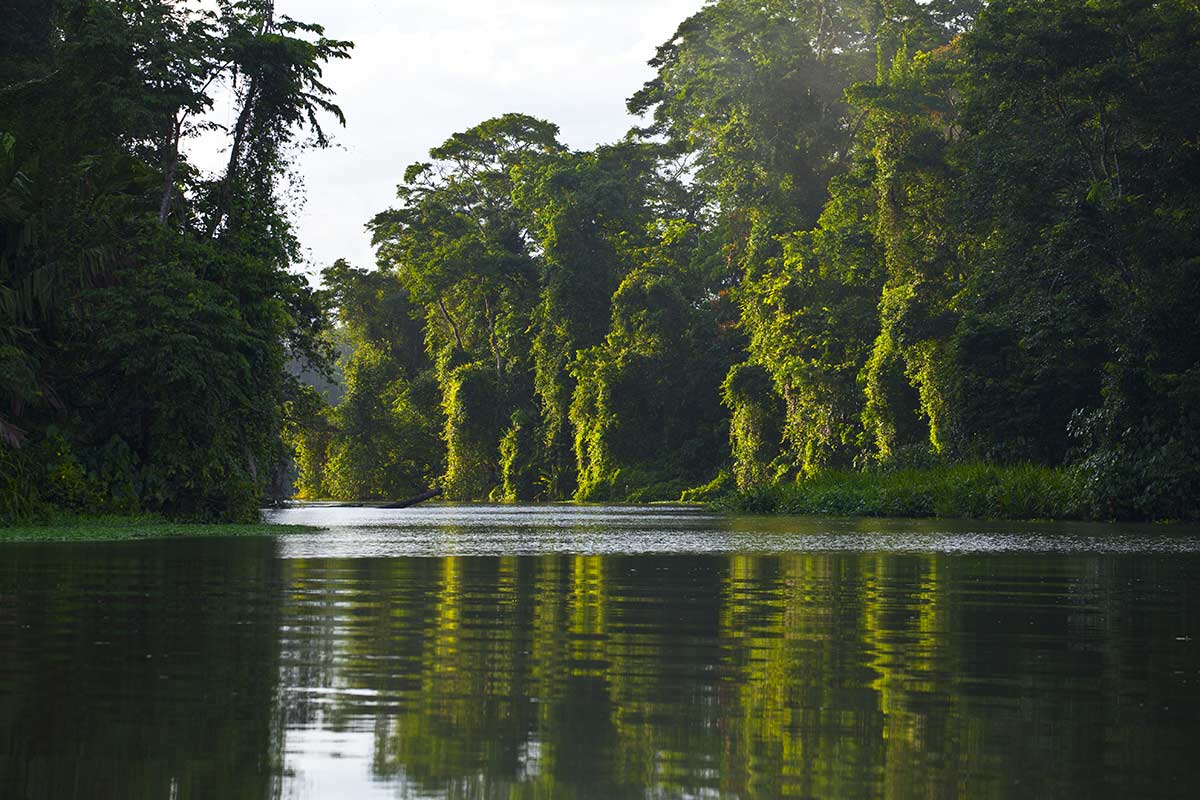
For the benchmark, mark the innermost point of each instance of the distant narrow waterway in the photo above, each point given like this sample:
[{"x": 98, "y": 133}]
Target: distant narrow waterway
[{"x": 564, "y": 652}]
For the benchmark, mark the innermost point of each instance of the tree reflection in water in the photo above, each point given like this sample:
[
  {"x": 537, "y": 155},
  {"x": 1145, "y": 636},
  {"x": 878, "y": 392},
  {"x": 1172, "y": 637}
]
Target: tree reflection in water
[
  {"x": 213, "y": 669},
  {"x": 802, "y": 675}
]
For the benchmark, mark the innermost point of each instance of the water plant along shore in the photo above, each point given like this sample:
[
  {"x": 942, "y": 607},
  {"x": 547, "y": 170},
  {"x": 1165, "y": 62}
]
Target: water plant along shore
[{"x": 116, "y": 528}]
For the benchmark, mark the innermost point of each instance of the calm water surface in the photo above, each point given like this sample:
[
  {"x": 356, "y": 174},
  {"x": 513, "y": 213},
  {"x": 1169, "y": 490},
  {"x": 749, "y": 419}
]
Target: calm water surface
[{"x": 562, "y": 652}]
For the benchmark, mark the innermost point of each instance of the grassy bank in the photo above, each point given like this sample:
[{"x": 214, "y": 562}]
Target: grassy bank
[
  {"x": 976, "y": 491},
  {"x": 96, "y": 529}
]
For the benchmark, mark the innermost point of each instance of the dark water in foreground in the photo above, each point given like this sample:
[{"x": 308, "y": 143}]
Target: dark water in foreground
[{"x": 604, "y": 653}]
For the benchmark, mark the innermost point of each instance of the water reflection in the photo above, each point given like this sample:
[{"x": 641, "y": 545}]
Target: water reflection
[
  {"x": 143, "y": 670},
  {"x": 605, "y": 675}
]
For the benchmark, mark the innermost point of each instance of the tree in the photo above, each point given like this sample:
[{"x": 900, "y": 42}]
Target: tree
[
  {"x": 646, "y": 407},
  {"x": 589, "y": 211},
  {"x": 169, "y": 309}
]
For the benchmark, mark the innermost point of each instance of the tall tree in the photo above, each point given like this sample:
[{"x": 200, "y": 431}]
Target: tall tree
[
  {"x": 160, "y": 360},
  {"x": 463, "y": 248}
]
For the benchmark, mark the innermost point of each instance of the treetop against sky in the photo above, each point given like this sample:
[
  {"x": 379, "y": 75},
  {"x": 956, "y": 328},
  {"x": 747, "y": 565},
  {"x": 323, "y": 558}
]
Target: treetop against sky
[{"x": 423, "y": 68}]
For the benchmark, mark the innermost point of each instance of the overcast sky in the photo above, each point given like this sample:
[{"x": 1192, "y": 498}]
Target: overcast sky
[{"x": 423, "y": 69}]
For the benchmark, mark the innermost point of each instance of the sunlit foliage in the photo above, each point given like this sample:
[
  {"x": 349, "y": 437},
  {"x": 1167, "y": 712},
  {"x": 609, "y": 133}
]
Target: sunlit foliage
[{"x": 925, "y": 234}]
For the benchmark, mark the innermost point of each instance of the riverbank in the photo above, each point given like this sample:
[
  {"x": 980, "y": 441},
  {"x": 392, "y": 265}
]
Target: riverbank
[
  {"x": 115, "y": 528},
  {"x": 969, "y": 491}
]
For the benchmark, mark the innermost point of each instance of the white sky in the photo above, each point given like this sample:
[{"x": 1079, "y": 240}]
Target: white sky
[{"x": 423, "y": 69}]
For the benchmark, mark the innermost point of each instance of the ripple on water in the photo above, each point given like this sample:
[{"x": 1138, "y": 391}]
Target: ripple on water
[{"x": 612, "y": 530}]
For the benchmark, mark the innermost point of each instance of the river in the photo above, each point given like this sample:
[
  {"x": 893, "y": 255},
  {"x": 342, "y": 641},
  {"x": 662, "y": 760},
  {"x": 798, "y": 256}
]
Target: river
[{"x": 565, "y": 652}]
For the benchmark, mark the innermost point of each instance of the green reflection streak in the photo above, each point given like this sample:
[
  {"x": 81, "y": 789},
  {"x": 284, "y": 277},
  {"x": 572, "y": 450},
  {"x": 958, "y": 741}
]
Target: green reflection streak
[{"x": 803, "y": 675}]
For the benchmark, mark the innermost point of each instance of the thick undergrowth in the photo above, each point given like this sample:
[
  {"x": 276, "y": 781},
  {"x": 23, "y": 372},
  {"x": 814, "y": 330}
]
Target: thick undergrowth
[{"x": 968, "y": 491}]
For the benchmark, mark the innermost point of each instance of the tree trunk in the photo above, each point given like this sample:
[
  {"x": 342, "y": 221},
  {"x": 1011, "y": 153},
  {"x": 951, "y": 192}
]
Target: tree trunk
[
  {"x": 170, "y": 168},
  {"x": 225, "y": 194},
  {"x": 412, "y": 501}
]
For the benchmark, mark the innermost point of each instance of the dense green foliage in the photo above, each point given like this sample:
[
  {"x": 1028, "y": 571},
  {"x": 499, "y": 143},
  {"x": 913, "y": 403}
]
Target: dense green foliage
[
  {"x": 147, "y": 309},
  {"x": 570, "y": 319},
  {"x": 968, "y": 491},
  {"x": 380, "y": 439},
  {"x": 849, "y": 236},
  {"x": 854, "y": 236}
]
